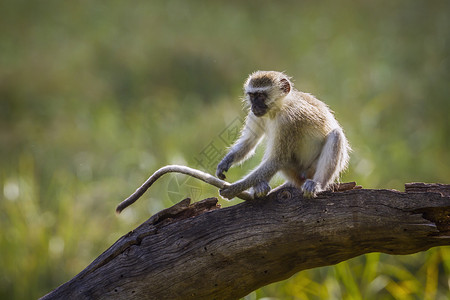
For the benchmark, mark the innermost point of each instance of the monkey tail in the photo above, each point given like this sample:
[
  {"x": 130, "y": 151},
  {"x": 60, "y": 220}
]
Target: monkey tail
[{"x": 205, "y": 177}]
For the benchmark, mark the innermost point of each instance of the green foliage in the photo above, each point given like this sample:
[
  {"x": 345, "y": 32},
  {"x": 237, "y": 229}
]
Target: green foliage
[{"x": 94, "y": 97}]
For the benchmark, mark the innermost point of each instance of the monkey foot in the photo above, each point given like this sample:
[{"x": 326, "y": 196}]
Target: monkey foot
[
  {"x": 310, "y": 188},
  {"x": 261, "y": 189}
]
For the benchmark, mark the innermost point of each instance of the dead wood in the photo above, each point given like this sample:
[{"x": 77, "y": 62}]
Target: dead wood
[{"x": 197, "y": 251}]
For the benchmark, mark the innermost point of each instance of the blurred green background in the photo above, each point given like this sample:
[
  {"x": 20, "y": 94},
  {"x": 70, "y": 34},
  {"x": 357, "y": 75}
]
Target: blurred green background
[{"x": 95, "y": 96}]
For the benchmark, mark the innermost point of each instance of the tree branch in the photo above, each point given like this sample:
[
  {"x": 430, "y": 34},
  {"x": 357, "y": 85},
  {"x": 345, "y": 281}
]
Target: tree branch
[{"x": 197, "y": 251}]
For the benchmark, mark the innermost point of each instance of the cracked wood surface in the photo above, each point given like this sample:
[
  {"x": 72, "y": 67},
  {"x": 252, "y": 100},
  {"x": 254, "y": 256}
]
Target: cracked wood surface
[{"x": 198, "y": 251}]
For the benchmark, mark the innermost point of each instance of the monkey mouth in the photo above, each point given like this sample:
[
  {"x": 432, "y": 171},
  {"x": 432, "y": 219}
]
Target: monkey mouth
[{"x": 259, "y": 111}]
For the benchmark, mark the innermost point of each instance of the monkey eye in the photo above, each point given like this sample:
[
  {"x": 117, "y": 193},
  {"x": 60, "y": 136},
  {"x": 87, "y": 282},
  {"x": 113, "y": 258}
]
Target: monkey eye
[{"x": 257, "y": 95}]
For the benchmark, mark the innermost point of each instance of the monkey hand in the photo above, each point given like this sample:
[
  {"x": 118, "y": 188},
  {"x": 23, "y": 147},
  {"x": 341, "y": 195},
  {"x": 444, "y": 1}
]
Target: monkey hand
[
  {"x": 229, "y": 192},
  {"x": 310, "y": 188},
  {"x": 261, "y": 189},
  {"x": 224, "y": 166}
]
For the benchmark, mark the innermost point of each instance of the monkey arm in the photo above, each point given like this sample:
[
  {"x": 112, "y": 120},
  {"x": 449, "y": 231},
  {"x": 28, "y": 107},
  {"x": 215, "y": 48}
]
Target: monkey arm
[
  {"x": 243, "y": 148},
  {"x": 252, "y": 134},
  {"x": 258, "y": 178},
  {"x": 205, "y": 177}
]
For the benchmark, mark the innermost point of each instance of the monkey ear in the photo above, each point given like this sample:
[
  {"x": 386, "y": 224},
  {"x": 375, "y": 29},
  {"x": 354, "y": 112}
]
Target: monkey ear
[{"x": 285, "y": 85}]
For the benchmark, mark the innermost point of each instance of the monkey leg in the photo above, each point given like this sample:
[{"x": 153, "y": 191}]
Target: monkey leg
[{"x": 328, "y": 164}]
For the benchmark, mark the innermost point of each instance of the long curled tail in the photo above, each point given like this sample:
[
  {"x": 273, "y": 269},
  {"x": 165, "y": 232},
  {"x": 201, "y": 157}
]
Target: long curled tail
[{"x": 177, "y": 169}]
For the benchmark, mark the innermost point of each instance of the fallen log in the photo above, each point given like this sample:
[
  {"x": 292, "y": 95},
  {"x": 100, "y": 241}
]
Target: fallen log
[{"x": 198, "y": 251}]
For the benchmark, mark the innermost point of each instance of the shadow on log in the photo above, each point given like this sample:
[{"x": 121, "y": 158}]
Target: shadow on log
[{"x": 198, "y": 251}]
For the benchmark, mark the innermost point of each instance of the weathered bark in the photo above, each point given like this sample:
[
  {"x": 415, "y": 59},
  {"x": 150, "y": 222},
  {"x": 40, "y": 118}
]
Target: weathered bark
[{"x": 200, "y": 252}]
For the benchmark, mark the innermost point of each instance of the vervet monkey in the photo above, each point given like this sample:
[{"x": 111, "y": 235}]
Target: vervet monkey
[{"x": 304, "y": 140}]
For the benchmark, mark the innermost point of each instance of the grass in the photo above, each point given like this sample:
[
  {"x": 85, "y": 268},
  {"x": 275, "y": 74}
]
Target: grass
[{"x": 94, "y": 98}]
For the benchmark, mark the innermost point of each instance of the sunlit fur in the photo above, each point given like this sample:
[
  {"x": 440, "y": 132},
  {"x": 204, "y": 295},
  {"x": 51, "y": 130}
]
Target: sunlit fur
[{"x": 303, "y": 139}]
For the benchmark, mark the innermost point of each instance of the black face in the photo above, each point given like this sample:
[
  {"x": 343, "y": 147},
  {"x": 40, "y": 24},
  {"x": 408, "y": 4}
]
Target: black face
[{"x": 258, "y": 102}]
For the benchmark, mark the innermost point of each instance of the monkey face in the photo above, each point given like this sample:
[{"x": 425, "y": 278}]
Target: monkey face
[{"x": 258, "y": 103}]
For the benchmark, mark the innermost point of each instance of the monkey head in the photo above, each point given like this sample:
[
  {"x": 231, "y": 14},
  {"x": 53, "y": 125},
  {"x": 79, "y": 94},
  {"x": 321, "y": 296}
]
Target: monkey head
[{"x": 264, "y": 90}]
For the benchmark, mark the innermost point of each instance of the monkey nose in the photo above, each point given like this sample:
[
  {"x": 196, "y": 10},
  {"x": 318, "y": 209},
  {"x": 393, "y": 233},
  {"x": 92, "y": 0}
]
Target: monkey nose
[{"x": 259, "y": 111}]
